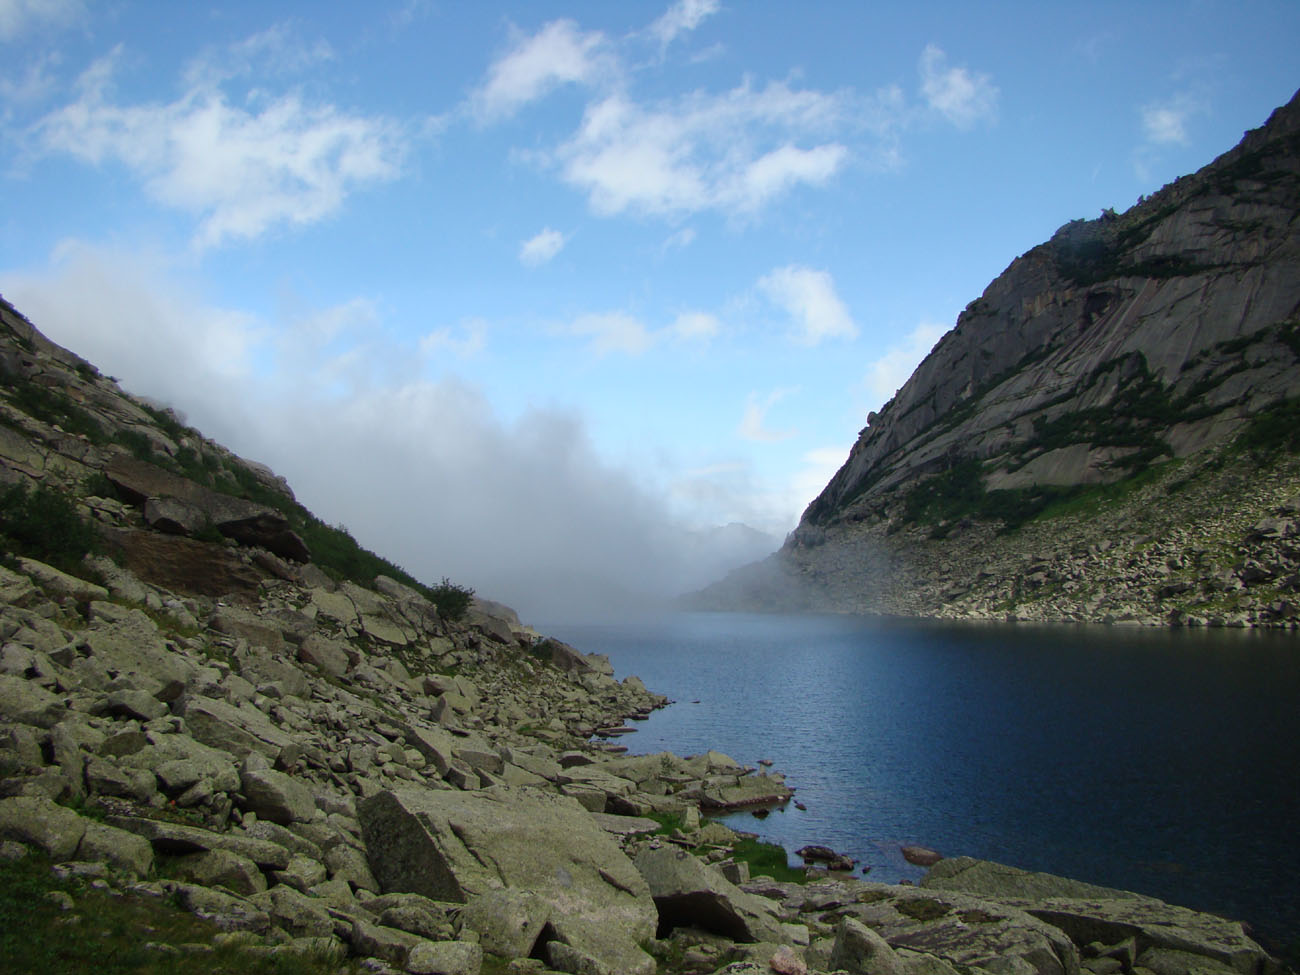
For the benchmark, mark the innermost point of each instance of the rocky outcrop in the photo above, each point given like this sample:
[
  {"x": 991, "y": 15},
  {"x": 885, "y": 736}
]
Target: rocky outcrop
[{"x": 1133, "y": 379}]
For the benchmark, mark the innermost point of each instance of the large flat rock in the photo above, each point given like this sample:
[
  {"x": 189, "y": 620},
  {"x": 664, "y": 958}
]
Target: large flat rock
[
  {"x": 451, "y": 846},
  {"x": 966, "y": 931},
  {"x": 1087, "y": 912}
]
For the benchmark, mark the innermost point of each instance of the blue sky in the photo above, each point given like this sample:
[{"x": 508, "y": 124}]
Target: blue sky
[{"x": 539, "y": 292}]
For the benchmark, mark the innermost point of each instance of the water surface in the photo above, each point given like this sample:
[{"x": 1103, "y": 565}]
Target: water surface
[{"x": 1161, "y": 761}]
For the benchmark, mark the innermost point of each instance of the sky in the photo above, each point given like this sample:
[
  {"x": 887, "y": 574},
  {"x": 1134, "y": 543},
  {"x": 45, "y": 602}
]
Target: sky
[{"x": 540, "y": 296}]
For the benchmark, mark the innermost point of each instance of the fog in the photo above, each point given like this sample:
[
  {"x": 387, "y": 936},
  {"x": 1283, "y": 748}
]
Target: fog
[{"x": 424, "y": 472}]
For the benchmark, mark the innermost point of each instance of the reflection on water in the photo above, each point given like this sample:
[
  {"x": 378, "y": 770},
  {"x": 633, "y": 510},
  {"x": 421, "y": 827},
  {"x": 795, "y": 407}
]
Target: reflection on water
[{"x": 1162, "y": 761}]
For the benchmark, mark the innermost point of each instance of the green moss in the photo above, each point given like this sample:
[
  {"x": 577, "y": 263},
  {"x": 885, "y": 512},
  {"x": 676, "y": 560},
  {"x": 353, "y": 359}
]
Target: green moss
[{"x": 923, "y": 909}]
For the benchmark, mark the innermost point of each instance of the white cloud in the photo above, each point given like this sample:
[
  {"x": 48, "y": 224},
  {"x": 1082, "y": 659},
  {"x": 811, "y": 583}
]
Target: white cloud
[
  {"x": 1165, "y": 123},
  {"x": 558, "y": 54},
  {"x": 242, "y": 171},
  {"x": 274, "y": 51},
  {"x": 809, "y": 297},
  {"x": 17, "y": 17},
  {"x": 695, "y": 326},
  {"x": 467, "y": 340},
  {"x": 541, "y": 248},
  {"x": 36, "y": 82},
  {"x": 733, "y": 152},
  {"x": 755, "y": 416},
  {"x": 682, "y": 16},
  {"x": 612, "y": 332},
  {"x": 110, "y": 309},
  {"x": 886, "y": 375},
  {"x": 616, "y": 331},
  {"x": 679, "y": 239},
  {"x": 779, "y": 170},
  {"x": 963, "y": 98}
]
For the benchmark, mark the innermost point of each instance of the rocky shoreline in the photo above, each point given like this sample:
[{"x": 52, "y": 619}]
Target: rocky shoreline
[{"x": 340, "y": 770}]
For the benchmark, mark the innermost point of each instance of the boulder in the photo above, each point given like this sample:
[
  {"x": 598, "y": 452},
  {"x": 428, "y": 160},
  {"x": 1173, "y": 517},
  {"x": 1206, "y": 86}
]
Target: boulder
[
  {"x": 999, "y": 882},
  {"x": 183, "y": 565},
  {"x": 508, "y": 922},
  {"x": 824, "y": 854},
  {"x": 746, "y": 792},
  {"x": 302, "y": 873},
  {"x": 330, "y": 656},
  {"x": 452, "y": 845},
  {"x": 133, "y": 645},
  {"x": 414, "y": 914},
  {"x": 228, "y": 912},
  {"x": 173, "y": 516},
  {"x": 28, "y": 703},
  {"x": 275, "y": 796},
  {"x": 60, "y": 584},
  {"x": 387, "y": 944},
  {"x": 300, "y": 915},
  {"x": 121, "y": 850},
  {"x": 1154, "y": 925},
  {"x": 445, "y": 958},
  {"x": 233, "y": 621},
  {"x": 43, "y": 824},
  {"x": 173, "y": 838},
  {"x": 921, "y": 856},
  {"x": 249, "y": 523},
  {"x": 859, "y": 950},
  {"x": 237, "y": 730},
  {"x": 218, "y": 868},
  {"x": 966, "y": 931},
  {"x": 690, "y": 894}
]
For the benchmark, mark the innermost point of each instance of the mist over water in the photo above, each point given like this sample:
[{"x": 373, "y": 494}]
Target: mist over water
[{"x": 1161, "y": 761}]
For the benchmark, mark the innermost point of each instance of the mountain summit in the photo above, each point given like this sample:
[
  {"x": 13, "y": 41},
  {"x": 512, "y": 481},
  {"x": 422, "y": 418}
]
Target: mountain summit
[{"x": 1108, "y": 432}]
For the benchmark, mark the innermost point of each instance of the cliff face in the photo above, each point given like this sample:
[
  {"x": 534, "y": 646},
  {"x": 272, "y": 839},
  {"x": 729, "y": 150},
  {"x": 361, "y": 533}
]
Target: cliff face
[{"x": 1127, "y": 360}]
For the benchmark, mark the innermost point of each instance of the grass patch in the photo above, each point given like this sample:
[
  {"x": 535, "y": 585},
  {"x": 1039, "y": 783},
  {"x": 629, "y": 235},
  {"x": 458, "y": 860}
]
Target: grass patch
[
  {"x": 105, "y": 934},
  {"x": 765, "y": 858},
  {"x": 57, "y": 409},
  {"x": 769, "y": 859}
]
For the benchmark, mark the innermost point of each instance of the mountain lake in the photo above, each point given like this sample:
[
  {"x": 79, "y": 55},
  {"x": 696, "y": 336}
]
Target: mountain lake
[{"x": 1160, "y": 761}]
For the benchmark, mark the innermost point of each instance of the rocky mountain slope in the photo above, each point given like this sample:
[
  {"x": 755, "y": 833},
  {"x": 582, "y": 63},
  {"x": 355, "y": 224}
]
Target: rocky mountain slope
[
  {"x": 211, "y": 700},
  {"x": 1108, "y": 432}
]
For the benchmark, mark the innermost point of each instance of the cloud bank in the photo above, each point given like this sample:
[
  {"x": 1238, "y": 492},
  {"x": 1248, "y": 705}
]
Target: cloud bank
[{"x": 424, "y": 472}]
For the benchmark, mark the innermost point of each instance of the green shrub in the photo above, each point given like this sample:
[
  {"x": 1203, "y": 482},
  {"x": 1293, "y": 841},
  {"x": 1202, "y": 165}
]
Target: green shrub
[
  {"x": 1273, "y": 429},
  {"x": 44, "y": 524},
  {"x": 452, "y": 600}
]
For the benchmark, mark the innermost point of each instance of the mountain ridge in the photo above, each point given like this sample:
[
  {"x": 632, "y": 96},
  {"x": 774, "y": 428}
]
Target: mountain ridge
[{"x": 1119, "y": 350}]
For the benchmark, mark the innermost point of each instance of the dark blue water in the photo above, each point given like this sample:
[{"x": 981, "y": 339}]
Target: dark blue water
[{"x": 1161, "y": 761}]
